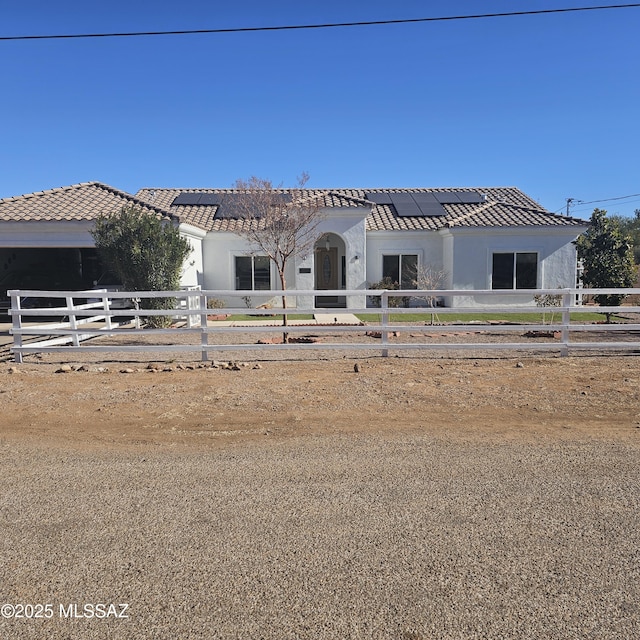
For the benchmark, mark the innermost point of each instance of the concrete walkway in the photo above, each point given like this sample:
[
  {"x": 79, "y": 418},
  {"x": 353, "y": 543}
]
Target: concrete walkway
[{"x": 336, "y": 318}]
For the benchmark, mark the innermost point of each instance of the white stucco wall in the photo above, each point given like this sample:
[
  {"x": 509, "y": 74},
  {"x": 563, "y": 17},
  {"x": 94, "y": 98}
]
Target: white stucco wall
[
  {"x": 349, "y": 225},
  {"x": 470, "y": 251},
  {"x": 220, "y": 250},
  {"x": 465, "y": 254},
  {"x": 35, "y": 234},
  {"x": 193, "y": 270},
  {"x": 427, "y": 245}
]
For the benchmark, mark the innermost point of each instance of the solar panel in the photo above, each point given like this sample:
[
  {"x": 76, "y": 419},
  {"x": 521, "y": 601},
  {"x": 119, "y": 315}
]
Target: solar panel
[
  {"x": 228, "y": 203},
  {"x": 432, "y": 209},
  {"x": 428, "y": 204},
  {"x": 407, "y": 210},
  {"x": 283, "y": 198},
  {"x": 229, "y": 207},
  {"x": 405, "y": 205},
  {"x": 401, "y": 197},
  {"x": 470, "y": 197},
  {"x": 409, "y": 203},
  {"x": 209, "y": 199},
  {"x": 378, "y": 198},
  {"x": 186, "y": 198},
  {"x": 446, "y": 197},
  {"x": 423, "y": 197}
]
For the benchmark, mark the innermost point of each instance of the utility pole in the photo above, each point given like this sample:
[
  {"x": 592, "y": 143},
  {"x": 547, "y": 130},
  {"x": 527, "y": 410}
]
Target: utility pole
[{"x": 570, "y": 201}]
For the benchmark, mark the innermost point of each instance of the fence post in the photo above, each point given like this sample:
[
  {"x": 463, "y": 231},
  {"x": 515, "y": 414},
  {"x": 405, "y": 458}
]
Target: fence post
[
  {"x": 192, "y": 305},
  {"x": 384, "y": 335},
  {"x": 73, "y": 324},
  {"x": 16, "y": 324},
  {"x": 136, "y": 306},
  {"x": 204, "y": 335},
  {"x": 107, "y": 312},
  {"x": 566, "y": 320}
]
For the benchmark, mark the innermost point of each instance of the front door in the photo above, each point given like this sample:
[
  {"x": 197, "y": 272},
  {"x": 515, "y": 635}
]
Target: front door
[
  {"x": 327, "y": 275},
  {"x": 327, "y": 268}
]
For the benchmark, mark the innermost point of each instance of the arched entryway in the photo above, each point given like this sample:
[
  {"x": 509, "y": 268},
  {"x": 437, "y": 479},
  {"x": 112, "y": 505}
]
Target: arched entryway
[{"x": 330, "y": 269}]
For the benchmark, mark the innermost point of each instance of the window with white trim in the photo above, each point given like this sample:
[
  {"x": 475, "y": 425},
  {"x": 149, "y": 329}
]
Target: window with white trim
[
  {"x": 401, "y": 268},
  {"x": 514, "y": 270},
  {"x": 253, "y": 273}
]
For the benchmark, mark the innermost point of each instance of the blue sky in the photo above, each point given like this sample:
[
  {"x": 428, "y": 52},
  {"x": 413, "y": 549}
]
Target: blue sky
[{"x": 550, "y": 103}]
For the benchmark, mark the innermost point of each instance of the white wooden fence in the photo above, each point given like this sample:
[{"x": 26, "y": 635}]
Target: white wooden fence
[{"x": 87, "y": 315}]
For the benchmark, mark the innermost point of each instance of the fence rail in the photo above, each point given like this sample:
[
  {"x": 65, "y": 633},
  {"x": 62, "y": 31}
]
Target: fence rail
[{"x": 88, "y": 315}]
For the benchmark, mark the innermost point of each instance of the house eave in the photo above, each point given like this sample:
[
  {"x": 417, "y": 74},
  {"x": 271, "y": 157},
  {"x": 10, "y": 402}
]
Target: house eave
[{"x": 569, "y": 230}]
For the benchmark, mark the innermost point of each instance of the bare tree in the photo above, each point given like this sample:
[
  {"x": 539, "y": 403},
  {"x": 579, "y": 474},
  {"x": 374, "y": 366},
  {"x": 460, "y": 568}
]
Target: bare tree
[
  {"x": 281, "y": 224},
  {"x": 429, "y": 278}
]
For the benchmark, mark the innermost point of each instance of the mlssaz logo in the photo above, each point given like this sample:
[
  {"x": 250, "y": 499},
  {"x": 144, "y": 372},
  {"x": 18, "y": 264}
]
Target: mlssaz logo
[{"x": 90, "y": 610}]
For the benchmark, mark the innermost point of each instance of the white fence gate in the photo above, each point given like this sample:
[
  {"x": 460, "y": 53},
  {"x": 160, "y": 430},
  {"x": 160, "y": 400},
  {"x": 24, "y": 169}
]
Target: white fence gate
[{"x": 88, "y": 315}]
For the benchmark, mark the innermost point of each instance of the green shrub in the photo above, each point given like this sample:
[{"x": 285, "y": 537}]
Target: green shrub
[{"x": 145, "y": 252}]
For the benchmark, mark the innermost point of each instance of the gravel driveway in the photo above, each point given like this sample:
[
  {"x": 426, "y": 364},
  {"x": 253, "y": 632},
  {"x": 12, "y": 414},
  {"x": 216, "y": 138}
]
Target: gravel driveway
[{"x": 330, "y": 536}]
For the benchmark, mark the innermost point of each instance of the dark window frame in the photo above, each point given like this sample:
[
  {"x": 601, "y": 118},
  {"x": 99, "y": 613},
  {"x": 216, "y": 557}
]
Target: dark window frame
[
  {"x": 405, "y": 280},
  {"x": 514, "y": 270},
  {"x": 252, "y": 273}
]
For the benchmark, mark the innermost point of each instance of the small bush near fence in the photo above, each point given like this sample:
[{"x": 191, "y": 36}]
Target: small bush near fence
[{"x": 388, "y": 284}]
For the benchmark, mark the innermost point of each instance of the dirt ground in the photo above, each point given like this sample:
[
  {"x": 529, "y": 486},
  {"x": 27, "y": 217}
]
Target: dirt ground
[
  {"x": 421, "y": 496},
  {"x": 192, "y": 405}
]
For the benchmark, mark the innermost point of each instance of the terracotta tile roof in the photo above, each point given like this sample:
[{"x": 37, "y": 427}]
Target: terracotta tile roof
[
  {"x": 85, "y": 201},
  {"x": 204, "y": 217},
  {"x": 502, "y": 207}
]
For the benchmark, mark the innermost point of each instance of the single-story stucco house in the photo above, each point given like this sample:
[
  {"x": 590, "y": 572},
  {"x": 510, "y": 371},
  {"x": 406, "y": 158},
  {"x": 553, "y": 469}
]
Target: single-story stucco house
[{"x": 479, "y": 238}]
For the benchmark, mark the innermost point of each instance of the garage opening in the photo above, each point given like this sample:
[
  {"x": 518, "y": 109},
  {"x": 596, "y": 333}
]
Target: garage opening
[{"x": 54, "y": 269}]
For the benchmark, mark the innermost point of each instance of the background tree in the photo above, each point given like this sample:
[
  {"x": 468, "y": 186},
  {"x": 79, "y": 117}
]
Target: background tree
[
  {"x": 607, "y": 258},
  {"x": 630, "y": 227},
  {"x": 145, "y": 253},
  {"x": 280, "y": 224}
]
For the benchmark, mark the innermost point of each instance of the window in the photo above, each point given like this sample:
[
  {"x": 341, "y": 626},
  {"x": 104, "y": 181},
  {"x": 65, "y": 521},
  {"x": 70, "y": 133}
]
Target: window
[
  {"x": 253, "y": 273},
  {"x": 402, "y": 269},
  {"x": 515, "y": 271}
]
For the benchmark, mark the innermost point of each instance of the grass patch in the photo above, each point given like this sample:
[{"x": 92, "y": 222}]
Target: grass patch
[
  {"x": 465, "y": 318},
  {"x": 243, "y": 317},
  {"x": 442, "y": 318}
]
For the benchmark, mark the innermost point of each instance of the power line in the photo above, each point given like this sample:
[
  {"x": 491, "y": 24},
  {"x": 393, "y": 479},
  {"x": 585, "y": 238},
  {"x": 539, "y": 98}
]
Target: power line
[
  {"x": 330, "y": 25},
  {"x": 633, "y": 195},
  {"x": 576, "y": 202}
]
